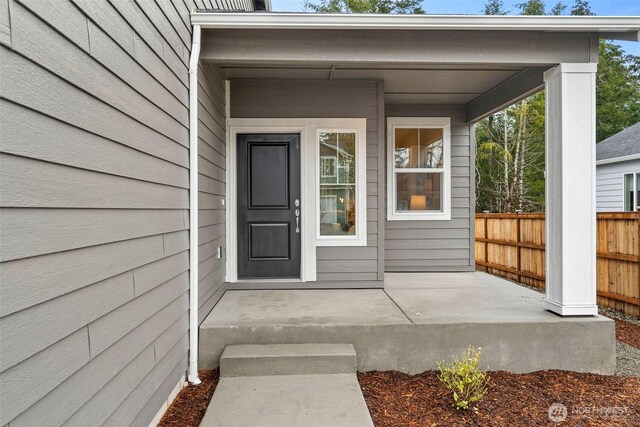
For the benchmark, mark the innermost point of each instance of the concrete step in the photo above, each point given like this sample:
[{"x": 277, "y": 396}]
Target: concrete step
[{"x": 287, "y": 359}]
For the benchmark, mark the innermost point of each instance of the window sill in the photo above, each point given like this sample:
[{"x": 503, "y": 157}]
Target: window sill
[{"x": 442, "y": 216}]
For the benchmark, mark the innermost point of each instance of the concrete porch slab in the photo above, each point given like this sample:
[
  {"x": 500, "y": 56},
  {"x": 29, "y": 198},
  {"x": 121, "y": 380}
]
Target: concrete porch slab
[
  {"x": 288, "y": 400},
  {"x": 414, "y": 323},
  {"x": 308, "y": 307}
]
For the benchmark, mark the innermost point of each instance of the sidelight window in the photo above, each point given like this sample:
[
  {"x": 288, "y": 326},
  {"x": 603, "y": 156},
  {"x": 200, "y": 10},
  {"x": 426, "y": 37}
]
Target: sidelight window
[
  {"x": 341, "y": 186},
  {"x": 419, "y": 168}
]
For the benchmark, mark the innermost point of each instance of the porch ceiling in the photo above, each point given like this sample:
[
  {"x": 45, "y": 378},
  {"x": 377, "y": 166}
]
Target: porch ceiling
[{"x": 404, "y": 84}]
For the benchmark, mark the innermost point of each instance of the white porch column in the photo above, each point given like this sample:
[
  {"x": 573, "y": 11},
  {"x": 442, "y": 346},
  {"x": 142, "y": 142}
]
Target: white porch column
[{"x": 570, "y": 189}]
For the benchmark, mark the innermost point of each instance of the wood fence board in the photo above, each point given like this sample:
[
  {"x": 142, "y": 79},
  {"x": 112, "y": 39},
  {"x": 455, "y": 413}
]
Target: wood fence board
[{"x": 512, "y": 246}]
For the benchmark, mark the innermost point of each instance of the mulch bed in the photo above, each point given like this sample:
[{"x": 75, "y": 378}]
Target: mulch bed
[
  {"x": 188, "y": 408},
  {"x": 396, "y": 399},
  {"x": 628, "y": 332}
]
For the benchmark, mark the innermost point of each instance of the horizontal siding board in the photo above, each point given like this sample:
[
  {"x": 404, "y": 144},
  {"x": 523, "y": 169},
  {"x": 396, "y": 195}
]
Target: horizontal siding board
[
  {"x": 100, "y": 406},
  {"x": 428, "y": 254},
  {"x": 42, "y": 45},
  {"x": 25, "y": 383},
  {"x": 175, "y": 242},
  {"x": 34, "y": 232},
  {"x": 31, "y": 183},
  {"x": 121, "y": 64},
  {"x": 51, "y": 140},
  {"x": 175, "y": 20},
  {"x": 396, "y": 244},
  {"x": 107, "y": 18},
  {"x": 113, "y": 326},
  {"x": 340, "y": 253},
  {"x": 169, "y": 36},
  {"x": 154, "y": 65},
  {"x": 431, "y": 233},
  {"x": 353, "y": 266},
  {"x": 173, "y": 363},
  {"x": 151, "y": 275},
  {"x": 155, "y": 402},
  {"x": 63, "y": 16},
  {"x": 31, "y": 281},
  {"x": 346, "y": 277},
  {"x": 28, "y": 84},
  {"x": 171, "y": 336},
  {"x": 60, "y": 404},
  {"x": 5, "y": 23},
  {"x": 53, "y": 320}
]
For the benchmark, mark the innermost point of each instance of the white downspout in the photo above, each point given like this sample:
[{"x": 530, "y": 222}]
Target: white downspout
[{"x": 193, "y": 207}]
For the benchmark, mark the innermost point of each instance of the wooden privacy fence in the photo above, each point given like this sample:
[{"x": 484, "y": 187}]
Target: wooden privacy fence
[{"x": 513, "y": 246}]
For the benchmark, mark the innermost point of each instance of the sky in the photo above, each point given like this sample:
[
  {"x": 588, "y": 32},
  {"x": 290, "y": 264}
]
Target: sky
[{"x": 447, "y": 7}]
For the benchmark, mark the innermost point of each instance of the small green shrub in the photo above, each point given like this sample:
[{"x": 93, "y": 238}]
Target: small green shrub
[{"x": 464, "y": 378}]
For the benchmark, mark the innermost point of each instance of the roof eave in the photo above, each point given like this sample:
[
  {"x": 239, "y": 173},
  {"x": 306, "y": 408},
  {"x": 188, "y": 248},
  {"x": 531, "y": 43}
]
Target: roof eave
[{"x": 627, "y": 27}]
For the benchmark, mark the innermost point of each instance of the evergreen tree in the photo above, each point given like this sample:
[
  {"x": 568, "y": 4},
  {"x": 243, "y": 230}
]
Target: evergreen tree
[
  {"x": 366, "y": 6},
  {"x": 495, "y": 7},
  {"x": 581, "y": 8},
  {"x": 532, "y": 7}
]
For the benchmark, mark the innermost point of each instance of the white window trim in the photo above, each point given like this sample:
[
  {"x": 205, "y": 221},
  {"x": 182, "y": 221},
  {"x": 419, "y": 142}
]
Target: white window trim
[
  {"x": 358, "y": 126},
  {"x": 309, "y": 173},
  {"x": 443, "y": 123},
  {"x": 634, "y": 189}
]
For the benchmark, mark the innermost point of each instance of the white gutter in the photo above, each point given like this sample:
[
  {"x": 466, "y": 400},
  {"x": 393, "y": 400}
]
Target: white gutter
[
  {"x": 618, "y": 159},
  {"x": 193, "y": 206},
  {"x": 630, "y": 25}
]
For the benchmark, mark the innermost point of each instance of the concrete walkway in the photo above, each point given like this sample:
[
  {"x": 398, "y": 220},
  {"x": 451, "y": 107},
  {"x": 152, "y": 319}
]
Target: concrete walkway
[
  {"x": 288, "y": 385},
  {"x": 288, "y": 400}
]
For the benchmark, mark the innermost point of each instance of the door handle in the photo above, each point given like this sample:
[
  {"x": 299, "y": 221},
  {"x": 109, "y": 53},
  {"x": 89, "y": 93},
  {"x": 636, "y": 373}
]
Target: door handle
[{"x": 298, "y": 224}]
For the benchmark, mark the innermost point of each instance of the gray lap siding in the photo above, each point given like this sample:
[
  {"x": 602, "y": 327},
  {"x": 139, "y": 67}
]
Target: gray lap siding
[
  {"x": 438, "y": 245},
  {"x": 94, "y": 207}
]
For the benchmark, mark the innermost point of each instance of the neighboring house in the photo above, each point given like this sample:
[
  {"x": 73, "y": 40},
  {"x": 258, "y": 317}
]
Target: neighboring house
[
  {"x": 102, "y": 288},
  {"x": 618, "y": 171}
]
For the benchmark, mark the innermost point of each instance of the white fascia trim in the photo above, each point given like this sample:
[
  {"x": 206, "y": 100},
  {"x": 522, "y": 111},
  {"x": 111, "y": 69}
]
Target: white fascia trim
[
  {"x": 193, "y": 207},
  {"x": 593, "y": 24},
  {"x": 618, "y": 159}
]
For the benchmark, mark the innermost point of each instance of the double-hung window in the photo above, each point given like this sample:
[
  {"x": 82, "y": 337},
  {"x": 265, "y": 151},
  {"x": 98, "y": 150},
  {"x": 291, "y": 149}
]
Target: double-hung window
[
  {"x": 419, "y": 168},
  {"x": 341, "y": 155}
]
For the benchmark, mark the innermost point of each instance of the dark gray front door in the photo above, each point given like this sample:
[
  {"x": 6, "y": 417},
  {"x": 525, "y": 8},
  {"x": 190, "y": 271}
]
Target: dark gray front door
[{"x": 268, "y": 206}]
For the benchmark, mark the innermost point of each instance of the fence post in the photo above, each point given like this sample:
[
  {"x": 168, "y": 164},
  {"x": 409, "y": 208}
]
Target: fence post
[
  {"x": 518, "y": 245},
  {"x": 486, "y": 243}
]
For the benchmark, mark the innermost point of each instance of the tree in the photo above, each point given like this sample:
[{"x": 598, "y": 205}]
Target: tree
[
  {"x": 581, "y": 8},
  {"x": 495, "y": 7},
  {"x": 510, "y": 144},
  {"x": 559, "y": 8},
  {"x": 532, "y": 7},
  {"x": 366, "y": 6},
  {"x": 617, "y": 90}
]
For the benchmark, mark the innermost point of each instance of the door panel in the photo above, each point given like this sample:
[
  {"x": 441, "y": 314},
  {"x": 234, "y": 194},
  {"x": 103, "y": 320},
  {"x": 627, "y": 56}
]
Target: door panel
[{"x": 268, "y": 187}]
